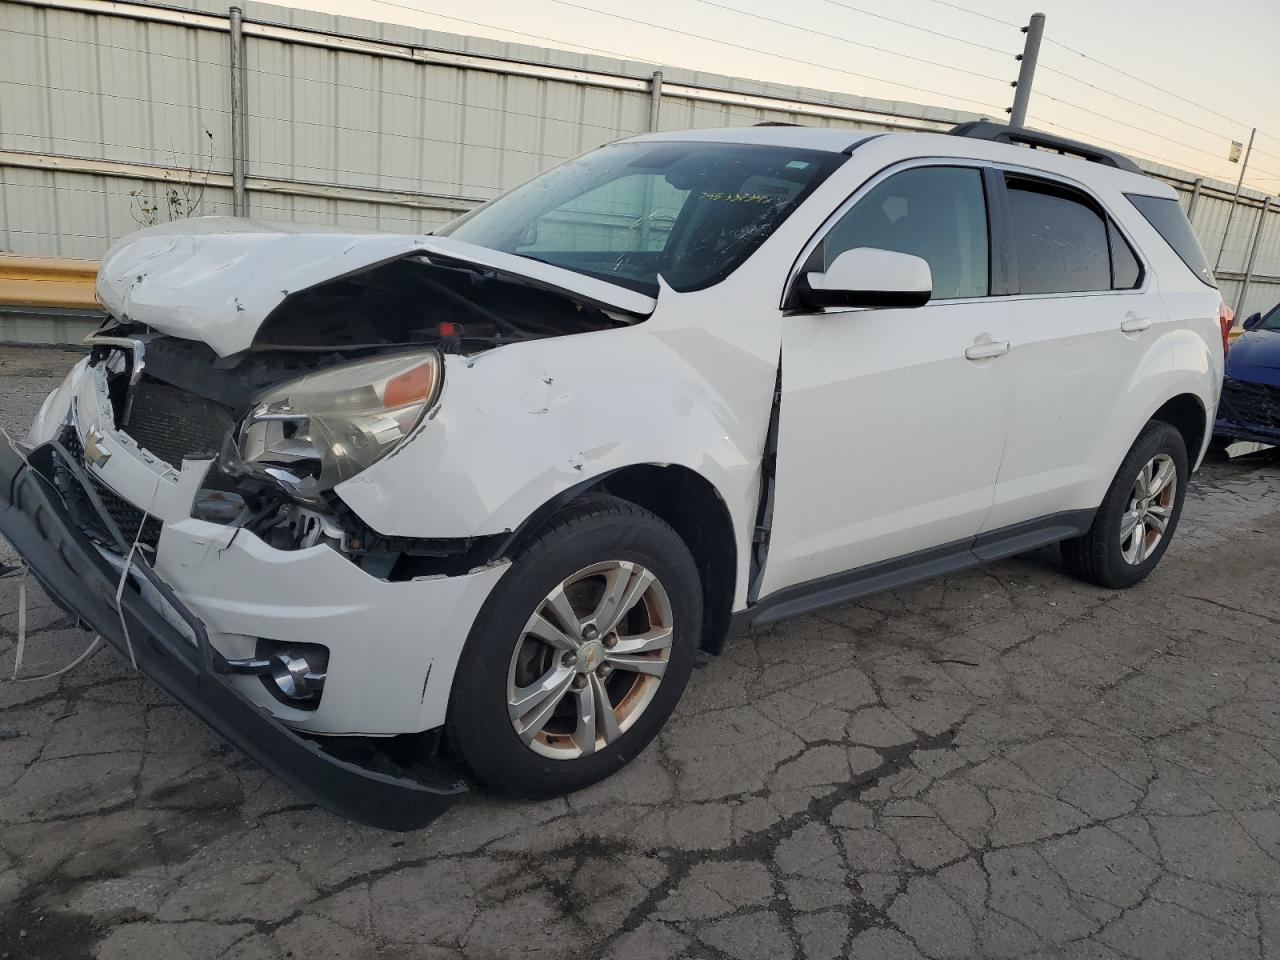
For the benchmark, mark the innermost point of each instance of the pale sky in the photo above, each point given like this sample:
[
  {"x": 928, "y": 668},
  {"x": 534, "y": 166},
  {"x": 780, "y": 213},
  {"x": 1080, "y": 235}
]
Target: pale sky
[{"x": 1221, "y": 56}]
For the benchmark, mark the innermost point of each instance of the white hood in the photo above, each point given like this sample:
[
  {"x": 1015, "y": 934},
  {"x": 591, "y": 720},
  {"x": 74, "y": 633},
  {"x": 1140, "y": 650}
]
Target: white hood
[{"x": 216, "y": 279}]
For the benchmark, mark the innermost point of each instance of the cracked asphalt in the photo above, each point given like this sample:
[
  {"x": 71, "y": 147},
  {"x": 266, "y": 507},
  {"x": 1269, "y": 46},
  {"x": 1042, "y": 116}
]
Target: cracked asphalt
[{"x": 1004, "y": 763}]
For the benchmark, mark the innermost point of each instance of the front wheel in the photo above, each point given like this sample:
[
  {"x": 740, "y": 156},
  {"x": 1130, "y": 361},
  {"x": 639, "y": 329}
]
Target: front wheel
[
  {"x": 581, "y": 652},
  {"x": 1139, "y": 515}
]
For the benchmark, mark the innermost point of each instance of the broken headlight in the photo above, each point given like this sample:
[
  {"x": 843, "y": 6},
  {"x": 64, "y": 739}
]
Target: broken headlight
[{"x": 323, "y": 428}]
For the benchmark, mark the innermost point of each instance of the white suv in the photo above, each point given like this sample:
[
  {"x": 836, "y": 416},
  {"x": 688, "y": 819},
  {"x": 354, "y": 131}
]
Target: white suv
[{"x": 501, "y": 484}]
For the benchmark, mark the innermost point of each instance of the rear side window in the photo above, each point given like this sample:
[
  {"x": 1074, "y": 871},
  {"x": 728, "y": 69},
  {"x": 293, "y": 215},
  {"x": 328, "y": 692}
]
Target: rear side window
[
  {"x": 936, "y": 213},
  {"x": 1061, "y": 242},
  {"x": 1171, "y": 223},
  {"x": 1126, "y": 272}
]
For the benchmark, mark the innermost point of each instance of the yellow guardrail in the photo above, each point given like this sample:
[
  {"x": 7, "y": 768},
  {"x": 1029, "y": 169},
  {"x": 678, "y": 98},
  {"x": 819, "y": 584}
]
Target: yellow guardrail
[{"x": 48, "y": 282}]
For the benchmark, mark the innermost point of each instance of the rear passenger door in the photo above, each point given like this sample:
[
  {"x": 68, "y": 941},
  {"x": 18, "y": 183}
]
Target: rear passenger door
[{"x": 1085, "y": 314}]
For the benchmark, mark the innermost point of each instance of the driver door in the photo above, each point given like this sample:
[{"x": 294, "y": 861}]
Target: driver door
[{"x": 892, "y": 421}]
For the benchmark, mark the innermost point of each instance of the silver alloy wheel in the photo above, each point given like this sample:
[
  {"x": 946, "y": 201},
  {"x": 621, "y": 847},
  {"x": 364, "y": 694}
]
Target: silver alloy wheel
[
  {"x": 589, "y": 660},
  {"x": 1150, "y": 509}
]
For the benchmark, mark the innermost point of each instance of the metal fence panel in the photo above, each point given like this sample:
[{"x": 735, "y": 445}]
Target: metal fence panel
[{"x": 379, "y": 126}]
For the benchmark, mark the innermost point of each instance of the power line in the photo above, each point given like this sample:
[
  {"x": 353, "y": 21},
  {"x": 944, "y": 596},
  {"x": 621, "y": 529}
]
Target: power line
[
  {"x": 856, "y": 43},
  {"x": 768, "y": 53},
  {"x": 1103, "y": 116},
  {"x": 1148, "y": 83},
  {"x": 519, "y": 33},
  {"x": 915, "y": 26},
  {"x": 984, "y": 16},
  {"x": 1136, "y": 103}
]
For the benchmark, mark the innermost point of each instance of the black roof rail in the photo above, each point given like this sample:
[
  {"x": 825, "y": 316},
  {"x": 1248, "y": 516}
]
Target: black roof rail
[{"x": 1003, "y": 133}]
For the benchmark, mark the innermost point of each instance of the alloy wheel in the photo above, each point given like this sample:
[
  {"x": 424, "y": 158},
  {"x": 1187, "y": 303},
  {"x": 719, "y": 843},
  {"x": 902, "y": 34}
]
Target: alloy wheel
[
  {"x": 1143, "y": 524},
  {"x": 589, "y": 660}
]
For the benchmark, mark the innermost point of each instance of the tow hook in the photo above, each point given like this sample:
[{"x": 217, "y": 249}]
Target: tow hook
[{"x": 294, "y": 677}]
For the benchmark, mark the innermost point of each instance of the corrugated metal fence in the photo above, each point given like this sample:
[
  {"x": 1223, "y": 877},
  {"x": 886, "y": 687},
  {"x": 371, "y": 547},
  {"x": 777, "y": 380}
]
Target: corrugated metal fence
[{"x": 115, "y": 112}]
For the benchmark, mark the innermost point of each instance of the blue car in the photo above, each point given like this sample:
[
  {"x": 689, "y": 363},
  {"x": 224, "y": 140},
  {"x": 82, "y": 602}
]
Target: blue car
[{"x": 1250, "y": 407}]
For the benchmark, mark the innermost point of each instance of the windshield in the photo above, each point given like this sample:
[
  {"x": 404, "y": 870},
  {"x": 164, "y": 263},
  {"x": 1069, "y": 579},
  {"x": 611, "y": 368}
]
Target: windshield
[
  {"x": 1272, "y": 320},
  {"x": 627, "y": 213}
]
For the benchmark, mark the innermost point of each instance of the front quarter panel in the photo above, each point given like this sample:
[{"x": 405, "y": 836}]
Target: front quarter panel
[{"x": 520, "y": 424}]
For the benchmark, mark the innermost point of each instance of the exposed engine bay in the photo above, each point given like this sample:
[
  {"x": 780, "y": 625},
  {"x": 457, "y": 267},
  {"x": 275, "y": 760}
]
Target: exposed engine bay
[{"x": 338, "y": 376}]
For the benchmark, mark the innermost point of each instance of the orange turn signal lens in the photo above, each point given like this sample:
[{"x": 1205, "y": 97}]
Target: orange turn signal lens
[{"x": 410, "y": 387}]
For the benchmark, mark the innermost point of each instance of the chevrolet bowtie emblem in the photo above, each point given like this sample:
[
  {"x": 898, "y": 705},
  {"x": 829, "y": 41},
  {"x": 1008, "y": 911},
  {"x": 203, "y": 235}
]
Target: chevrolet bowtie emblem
[{"x": 93, "y": 450}]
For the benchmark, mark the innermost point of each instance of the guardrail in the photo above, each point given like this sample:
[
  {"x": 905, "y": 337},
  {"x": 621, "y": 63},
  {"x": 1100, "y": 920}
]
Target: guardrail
[
  {"x": 47, "y": 300},
  {"x": 48, "y": 282}
]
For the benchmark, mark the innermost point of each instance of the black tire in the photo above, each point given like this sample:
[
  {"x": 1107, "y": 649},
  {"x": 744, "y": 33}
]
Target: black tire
[
  {"x": 595, "y": 530},
  {"x": 1098, "y": 555}
]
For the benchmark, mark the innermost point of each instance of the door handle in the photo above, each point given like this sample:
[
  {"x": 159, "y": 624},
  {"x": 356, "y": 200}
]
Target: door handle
[
  {"x": 1132, "y": 323},
  {"x": 987, "y": 349}
]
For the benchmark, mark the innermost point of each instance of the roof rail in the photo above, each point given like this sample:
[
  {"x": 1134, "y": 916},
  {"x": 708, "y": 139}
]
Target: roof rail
[{"x": 1003, "y": 133}]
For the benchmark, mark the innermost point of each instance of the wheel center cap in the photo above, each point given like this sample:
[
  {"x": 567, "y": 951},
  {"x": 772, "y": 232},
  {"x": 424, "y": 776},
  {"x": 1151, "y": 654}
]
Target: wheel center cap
[{"x": 590, "y": 656}]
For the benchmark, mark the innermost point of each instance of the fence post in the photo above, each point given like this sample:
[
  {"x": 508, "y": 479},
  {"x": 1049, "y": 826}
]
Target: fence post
[
  {"x": 1027, "y": 71},
  {"x": 1253, "y": 256},
  {"x": 239, "y": 128},
  {"x": 1235, "y": 199},
  {"x": 1195, "y": 199},
  {"x": 655, "y": 99}
]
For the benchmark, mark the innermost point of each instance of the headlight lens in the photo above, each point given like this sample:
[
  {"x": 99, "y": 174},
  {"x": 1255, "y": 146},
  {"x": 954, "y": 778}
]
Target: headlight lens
[{"x": 321, "y": 429}]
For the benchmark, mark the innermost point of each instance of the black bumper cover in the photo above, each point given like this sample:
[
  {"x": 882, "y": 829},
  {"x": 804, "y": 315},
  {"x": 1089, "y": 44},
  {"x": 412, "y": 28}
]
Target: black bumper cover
[{"x": 37, "y": 521}]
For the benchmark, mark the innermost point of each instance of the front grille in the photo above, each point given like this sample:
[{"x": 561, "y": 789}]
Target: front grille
[
  {"x": 1251, "y": 404},
  {"x": 126, "y": 516},
  {"x": 174, "y": 423}
]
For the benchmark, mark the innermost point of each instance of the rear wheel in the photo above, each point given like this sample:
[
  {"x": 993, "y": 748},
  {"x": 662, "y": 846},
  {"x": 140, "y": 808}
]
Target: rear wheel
[
  {"x": 1139, "y": 515},
  {"x": 581, "y": 652}
]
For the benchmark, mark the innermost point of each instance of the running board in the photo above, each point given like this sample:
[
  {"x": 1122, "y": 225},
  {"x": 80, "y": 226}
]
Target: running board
[{"x": 913, "y": 568}]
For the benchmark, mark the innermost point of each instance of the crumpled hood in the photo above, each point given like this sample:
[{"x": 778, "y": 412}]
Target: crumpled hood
[
  {"x": 216, "y": 279},
  {"x": 1255, "y": 356}
]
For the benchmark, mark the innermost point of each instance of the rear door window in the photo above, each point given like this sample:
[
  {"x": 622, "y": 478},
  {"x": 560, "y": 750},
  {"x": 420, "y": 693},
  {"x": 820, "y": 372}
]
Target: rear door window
[
  {"x": 1171, "y": 223},
  {"x": 1060, "y": 239}
]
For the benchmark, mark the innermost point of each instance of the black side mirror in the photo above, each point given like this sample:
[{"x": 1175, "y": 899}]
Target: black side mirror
[{"x": 1252, "y": 321}]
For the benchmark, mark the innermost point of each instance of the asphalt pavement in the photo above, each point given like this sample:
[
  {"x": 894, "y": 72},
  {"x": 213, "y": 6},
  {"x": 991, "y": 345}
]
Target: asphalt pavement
[{"x": 1002, "y": 763}]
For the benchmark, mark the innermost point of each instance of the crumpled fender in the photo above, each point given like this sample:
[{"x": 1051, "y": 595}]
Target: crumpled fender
[{"x": 518, "y": 425}]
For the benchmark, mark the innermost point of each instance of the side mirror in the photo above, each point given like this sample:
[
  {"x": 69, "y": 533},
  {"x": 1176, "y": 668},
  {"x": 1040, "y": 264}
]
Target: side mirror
[
  {"x": 868, "y": 277},
  {"x": 1252, "y": 321}
]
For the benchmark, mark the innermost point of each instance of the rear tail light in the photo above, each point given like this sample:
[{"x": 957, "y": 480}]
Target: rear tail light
[{"x": 1226, "y": 317}]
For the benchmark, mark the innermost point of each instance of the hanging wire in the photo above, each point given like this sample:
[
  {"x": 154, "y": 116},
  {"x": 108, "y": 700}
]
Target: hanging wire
[
  {"x": 984, "y": 16},
  {"x": 1136, "y": 103},
  {"x": 768, "y": 53},
  {"x": 916, "y": 26},
  {"x": 856, "y": 43},
  {"x": 1147, "y": 83}
]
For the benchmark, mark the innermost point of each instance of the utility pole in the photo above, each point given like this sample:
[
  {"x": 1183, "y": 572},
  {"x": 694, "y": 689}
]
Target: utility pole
[
  {"x": 1253, "y": 257},
  {"x": 1235, "y": 199},
  {"x": 239, "y": 197},
  {"x": 1027, "y": 71},
  {"x": 655, "y": 99}
]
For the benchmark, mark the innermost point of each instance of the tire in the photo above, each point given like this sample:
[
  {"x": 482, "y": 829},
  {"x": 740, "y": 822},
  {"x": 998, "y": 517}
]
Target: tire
[
  {"x": 1104, "y": 555},
  {"x": 601, "y": 541}
]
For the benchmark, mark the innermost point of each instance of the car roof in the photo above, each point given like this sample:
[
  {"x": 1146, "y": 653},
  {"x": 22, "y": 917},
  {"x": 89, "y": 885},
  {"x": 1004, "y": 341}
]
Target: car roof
[
  {"x": 827, "y": 139},
  {"x": 839, "y": 140}
]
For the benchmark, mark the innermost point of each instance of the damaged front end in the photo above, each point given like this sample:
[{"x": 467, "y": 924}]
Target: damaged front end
[
  {"x": 195, "y": 457},
  {"x": 338, "y": 377}
]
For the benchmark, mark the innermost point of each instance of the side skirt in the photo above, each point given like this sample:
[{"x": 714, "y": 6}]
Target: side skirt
[{"x": 903, "y": 571}]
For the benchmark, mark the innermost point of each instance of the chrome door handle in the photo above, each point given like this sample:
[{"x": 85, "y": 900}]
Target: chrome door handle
[
  {"x": 987, "y": 350},
  {"x": 1132, "y": 323}
]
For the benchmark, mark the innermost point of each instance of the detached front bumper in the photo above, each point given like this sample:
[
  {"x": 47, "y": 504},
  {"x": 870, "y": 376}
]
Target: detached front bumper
[{"x": 171, "y": 645}]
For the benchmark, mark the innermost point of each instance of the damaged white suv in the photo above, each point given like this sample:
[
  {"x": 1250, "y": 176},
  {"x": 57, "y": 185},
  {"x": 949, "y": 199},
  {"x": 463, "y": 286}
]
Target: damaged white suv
[{"x": 496, "y": 487}]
